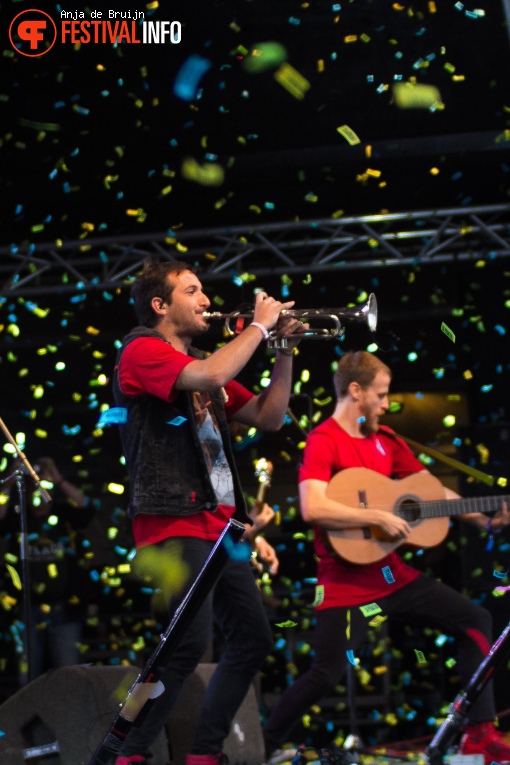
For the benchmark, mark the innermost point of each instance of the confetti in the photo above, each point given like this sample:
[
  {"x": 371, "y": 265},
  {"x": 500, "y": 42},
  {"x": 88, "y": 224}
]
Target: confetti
[
  {"x": 447, "y": 331},
  {"x": 349, "y": 135},
  {"x": 262, "y": 56},
  {"x": 292, "y": 80},
  {"x": 189, "y": 75}
]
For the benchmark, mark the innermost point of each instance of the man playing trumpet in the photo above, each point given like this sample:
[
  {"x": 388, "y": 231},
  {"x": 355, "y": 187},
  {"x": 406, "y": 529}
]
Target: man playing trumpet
[{"x": 184, "y": 483}]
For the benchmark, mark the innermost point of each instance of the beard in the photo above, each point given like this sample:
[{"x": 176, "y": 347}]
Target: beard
[{"x": 370, "y": 425}]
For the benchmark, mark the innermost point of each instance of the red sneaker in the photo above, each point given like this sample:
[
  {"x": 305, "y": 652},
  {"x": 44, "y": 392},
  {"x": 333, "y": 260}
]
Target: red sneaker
[
  {"x": 207, "y": 759},
  {"x": 131, "y": 759},
  {"x": 482, "y": 738}
]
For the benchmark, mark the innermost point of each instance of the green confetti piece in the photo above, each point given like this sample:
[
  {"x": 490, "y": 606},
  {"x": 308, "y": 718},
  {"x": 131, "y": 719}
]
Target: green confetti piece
[
  {"x": 288, "y": 623},
  {"x": 447, "y": 331},
  {"x": 319, "y": 595},
  {"x": 370, "y": 609}
]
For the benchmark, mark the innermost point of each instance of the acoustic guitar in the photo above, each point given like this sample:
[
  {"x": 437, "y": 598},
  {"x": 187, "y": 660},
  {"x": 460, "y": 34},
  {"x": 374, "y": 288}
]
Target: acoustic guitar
[{"x": 419, "y": 499}]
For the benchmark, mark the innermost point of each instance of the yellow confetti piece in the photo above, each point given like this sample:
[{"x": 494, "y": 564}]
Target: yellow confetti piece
[
  {"x": 377, "y": 621},
  {"x": 484, "y": 453},
  {"x": 408, "y": 95},
  {"x": 14, "y": 576},
  {"x": 349, "y": 135},
  {"x": 208, "y": 174},
  {"x": 115, "y": 488},
  {"x": 292, "y": 81}
]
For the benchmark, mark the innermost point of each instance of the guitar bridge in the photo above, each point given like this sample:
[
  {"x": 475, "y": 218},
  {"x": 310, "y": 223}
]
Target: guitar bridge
[{"x": 362, "y": 497}]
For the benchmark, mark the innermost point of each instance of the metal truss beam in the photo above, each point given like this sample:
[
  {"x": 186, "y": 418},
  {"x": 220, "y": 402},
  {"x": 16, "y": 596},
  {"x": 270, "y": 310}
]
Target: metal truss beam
[{"x": 311, "y": 246}]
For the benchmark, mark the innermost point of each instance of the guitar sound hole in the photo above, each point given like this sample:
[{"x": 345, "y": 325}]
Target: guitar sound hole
[{"x": 409, "y": 510}]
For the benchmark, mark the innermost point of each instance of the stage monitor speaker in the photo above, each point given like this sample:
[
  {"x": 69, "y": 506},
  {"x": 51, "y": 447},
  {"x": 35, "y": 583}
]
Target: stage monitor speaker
[
  {"x": 244, "y": 744},
  {"x": 61, "y": 717}
]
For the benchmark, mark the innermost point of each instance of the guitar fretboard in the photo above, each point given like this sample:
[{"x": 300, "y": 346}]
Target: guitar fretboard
[{"x": 415, "y": 509}]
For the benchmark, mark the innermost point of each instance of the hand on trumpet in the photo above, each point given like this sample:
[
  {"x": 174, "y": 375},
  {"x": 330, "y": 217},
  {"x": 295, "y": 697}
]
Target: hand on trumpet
[
  {"x": 268, "y": 309},
  {"x": 291, "y": 329}
]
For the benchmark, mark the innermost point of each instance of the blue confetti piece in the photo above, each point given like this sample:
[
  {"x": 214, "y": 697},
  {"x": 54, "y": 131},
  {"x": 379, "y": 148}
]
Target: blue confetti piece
[
  {"x": 351, "y": 658},
  {"x": 177, "y": 421},
  {"x": 189, "y": 76},
  {"x": 362, "y": 419},
  {"x": 500, "y": 574},
  {"x": 386, "y": 572},
  {"x": 238, "y": 551},
  {"x": 116, "y": 415},
  {"x": 73, "y": 430}
]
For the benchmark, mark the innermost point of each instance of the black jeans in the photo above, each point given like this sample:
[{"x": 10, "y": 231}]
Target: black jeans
[
  {"x": 236, "y": 605},
  {"x": 424, "y": 600}
]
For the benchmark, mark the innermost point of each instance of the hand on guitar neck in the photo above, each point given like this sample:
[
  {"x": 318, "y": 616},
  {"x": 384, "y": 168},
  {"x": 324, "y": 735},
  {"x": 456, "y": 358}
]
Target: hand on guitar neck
[{"x": 262, "y": 514}]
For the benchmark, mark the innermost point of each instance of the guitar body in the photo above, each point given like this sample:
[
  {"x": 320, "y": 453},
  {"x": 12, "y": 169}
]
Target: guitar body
[{"x": 358, "y": 487}]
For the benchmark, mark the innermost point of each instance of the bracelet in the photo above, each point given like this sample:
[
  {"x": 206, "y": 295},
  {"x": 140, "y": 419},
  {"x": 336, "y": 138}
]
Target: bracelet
[{"x": 261, "y": 327}]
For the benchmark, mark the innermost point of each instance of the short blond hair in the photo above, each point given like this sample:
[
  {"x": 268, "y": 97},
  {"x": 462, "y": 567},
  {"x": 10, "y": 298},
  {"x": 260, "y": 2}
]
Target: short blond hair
[{"x": 357, "y": 366}]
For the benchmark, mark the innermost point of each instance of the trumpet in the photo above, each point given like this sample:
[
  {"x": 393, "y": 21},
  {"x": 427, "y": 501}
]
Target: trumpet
[{"x": 366, "y": 313}]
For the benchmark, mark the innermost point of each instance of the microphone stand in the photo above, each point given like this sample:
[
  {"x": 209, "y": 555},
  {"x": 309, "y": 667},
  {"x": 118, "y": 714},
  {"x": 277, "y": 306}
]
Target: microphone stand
[
  {"x": 19, "y": 475},
  {"x": 459, "y": 708},
  {"x": 147, "y": 687}
]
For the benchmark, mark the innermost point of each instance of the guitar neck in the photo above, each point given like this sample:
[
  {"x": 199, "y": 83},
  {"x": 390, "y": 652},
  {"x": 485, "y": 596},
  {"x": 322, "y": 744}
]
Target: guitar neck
[{"x": 443, "y": 507}]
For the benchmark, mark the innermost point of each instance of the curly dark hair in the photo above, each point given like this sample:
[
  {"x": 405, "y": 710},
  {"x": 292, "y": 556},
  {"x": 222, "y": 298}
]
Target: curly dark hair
[{"x": 152, "y": 282}]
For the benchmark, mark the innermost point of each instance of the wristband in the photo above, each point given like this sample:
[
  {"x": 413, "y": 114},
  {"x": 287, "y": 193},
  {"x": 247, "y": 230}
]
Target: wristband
[{"x": 261, "y": 327}]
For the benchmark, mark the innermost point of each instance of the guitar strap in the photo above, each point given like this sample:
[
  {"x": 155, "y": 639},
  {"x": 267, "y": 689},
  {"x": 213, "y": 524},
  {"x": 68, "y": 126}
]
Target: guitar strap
[{"x": 478, "y": 475}]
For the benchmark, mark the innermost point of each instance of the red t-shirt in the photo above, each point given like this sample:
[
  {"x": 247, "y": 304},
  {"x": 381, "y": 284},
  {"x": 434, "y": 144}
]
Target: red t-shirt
[
  {"x": 151, "y": 366},
  {"x": 329, "y": 449}
]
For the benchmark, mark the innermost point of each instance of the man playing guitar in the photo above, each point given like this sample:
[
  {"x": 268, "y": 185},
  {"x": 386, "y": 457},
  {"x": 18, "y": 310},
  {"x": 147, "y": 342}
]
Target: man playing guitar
[{"x": 350, "y": 592}]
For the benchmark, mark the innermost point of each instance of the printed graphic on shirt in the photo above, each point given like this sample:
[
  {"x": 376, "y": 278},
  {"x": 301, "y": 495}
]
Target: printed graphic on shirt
[{"x": 210, "y": 438}]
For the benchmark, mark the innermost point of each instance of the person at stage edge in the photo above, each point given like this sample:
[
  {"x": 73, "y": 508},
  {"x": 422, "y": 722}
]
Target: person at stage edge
[
  {"x": 352, "y": 437},
  {"x": 184, "y": 485}
]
